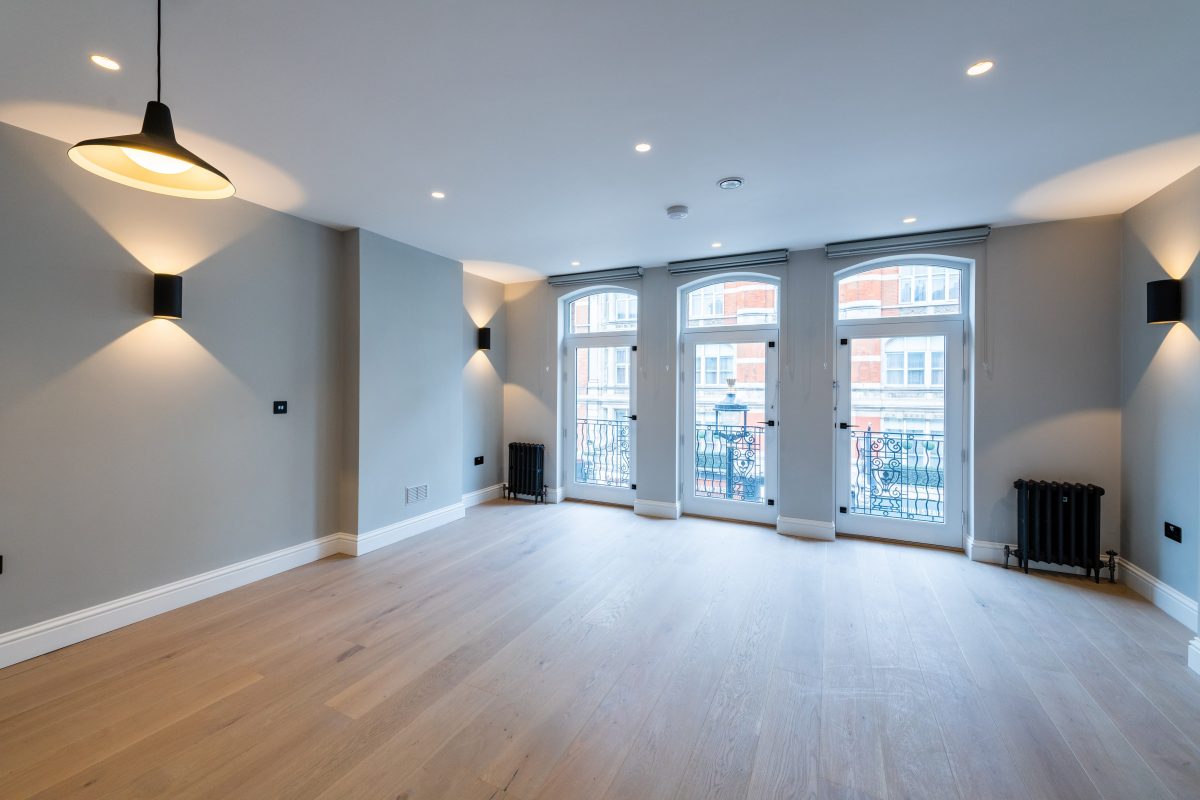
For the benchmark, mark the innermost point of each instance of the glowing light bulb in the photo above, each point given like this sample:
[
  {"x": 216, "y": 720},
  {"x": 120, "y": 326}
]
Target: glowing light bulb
[{"x": 156, "y": 162}]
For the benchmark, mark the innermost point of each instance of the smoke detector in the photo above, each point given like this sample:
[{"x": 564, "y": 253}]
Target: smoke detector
[
  {"x": 730, "y": 183},
  {"x": 677, "y": 212}
]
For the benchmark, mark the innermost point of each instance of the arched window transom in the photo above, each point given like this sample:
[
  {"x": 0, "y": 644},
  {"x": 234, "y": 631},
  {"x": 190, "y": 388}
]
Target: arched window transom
[
  {"x": 900, "y": 290},
  {"x": 732, "y": 303},
  {"x": 603, "y": 312}
]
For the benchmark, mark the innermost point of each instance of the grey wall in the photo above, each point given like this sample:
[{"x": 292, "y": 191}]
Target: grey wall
[
  {"x": 136, "y": 451},
  {"x": 482, "y": 382},
  {"x": 1160, "y": 388},
  {"x": 1046, "y": 382},
  {"x": 410, "y": 402},
  {"x": 1047, "y": 391}
]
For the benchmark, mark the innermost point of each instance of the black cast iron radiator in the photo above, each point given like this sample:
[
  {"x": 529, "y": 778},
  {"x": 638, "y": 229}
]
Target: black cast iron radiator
[
  {"x": 1059, "y": 523},
  {"x": 526, "y": 470}
]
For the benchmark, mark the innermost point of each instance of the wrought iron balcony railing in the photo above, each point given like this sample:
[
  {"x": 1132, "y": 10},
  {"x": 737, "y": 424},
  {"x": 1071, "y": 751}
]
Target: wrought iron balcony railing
[
  {"x": 894, "y": 474},
  {"x": 729, "y": 462},
  {"x": 602, "y": 452}
]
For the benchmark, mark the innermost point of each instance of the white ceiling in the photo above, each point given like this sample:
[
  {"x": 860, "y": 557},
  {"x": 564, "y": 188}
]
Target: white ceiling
[{"x": 843, "y": 117}]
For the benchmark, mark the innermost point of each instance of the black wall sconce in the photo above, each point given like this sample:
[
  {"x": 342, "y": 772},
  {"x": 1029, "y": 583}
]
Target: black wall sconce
[
  {"x": 484, "y": 342},
  {"x": 168, "y": 296},
  {"x": 1164, "y": 301}
]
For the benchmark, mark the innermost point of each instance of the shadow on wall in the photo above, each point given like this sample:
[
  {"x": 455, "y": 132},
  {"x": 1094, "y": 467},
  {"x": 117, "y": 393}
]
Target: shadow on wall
[
  {"x": 1111, "y": 184},
  {"x": 1062, "y": 443}
]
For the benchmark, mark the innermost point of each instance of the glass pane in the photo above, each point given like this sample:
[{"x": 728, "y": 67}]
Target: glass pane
[
  {"x": 730, "y": 422},
  {"x": 899, "y": 291},
  {"x": 606, "y": 312},
  {"x": 602, "y": 422},
  {"x": 896, "y": 440},
  {"x": 732, "y": 303}
]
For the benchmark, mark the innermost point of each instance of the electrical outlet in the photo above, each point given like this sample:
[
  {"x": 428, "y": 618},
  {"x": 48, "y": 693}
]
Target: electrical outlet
[
  {"x": 280, "y": 406},
  {"x": 478, "y": 460},
  {"x": 1173, "y": 532}
]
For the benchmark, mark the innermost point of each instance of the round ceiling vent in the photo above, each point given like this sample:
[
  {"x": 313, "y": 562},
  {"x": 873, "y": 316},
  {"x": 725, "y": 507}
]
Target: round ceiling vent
[
  {"x": 677, "y": 212},
  {"x": 730, "y": 183}
]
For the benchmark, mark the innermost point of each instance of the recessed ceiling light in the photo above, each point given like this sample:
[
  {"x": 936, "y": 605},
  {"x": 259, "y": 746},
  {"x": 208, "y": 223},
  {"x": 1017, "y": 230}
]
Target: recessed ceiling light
[
  {"x": 730, "y": 183},
  {"x": 438, "y": 195},
  {"x": 909, "y": 220},
  {"x": 105, "y": 62},
  {"x": 576, "y": 264},
  {"x": 716, "y": 244},
  {"x": 980, "y": 67},
  {"x": 643, "y": 147}
]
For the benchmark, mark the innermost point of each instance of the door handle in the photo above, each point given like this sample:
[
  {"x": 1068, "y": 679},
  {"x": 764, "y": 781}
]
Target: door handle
[
  {"x": 632, "y": 417},
  {"x": 843, "y": 425},
  {"x": 770, "y": 423}
]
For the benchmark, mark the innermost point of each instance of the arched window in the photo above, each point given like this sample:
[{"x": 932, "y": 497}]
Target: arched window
[
  {"x": 730, "y": 303},
  {"x": 603, "y": 312},
  {"x": 919, "y": 288}
]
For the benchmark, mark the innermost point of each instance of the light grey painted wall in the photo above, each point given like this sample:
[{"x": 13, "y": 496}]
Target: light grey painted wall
[
  {"x": 1046, "y": 386},
  {"x": 410, "y": 402},
  {"x": 1160, "y": 388},
  {"x": 1047, "y": 396},
  {"x": 482, "y": 382},
  {"x": 135, "y": 451}
]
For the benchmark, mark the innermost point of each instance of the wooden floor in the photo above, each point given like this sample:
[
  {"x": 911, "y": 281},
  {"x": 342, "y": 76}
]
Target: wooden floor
[{"x": 576, "y": 651}]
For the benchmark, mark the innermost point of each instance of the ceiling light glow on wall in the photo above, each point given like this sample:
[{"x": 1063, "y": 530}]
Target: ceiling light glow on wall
[
  {"x": 152, "y": 160},
  {"x": 438, "y": 195},
  {"x": 104, "y": 62},
  {"x": 979, "y": 68},
  {"x": 1164, "y": 301},
  {"x": 909, "y": 220},
  {"x": 716, "y": 244},
  {"x": 576, "y": 263},
  {"x": 168, "y": 296},
  {"x": 643, "y": 147}
]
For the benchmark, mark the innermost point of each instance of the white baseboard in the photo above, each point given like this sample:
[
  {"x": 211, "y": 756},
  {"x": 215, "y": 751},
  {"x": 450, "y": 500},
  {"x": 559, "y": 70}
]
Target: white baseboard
[
  {"x": 556, "y": 494},
  {"x": 364, "y": 543},
  {"x": 805, "y": 528},
  {"x": 483, "y": 495},
  {"x": 52, "y": 634},
  {"x": 657, "y": 508},
  {"x": 993, "y": 553},
  {"x": 1194, "y": 654},
  {"x": 1177, "y": 605}
]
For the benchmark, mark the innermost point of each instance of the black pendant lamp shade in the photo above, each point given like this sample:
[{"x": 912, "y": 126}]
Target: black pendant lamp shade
[
  {"x": 168, "y": 296},
  {"x": 151, "y": 159},
  {"x": 1164, "y": 301},
  {"x": 484, "y": 341}
]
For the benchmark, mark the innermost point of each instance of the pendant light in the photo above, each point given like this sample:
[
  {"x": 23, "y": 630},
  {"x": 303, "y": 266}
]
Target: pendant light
[{"x": 152, "y": 160}]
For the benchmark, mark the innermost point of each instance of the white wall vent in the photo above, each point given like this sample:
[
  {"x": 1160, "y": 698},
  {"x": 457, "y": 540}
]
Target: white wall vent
[{"x": 414, "y": 494}]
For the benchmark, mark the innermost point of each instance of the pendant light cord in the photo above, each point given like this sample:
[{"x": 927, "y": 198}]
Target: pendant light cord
[{"x": 159, "y": 51}]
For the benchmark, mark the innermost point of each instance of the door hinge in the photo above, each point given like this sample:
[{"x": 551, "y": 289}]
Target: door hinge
[
  {"x": 964, "y": 456},
  {"x": 633, "y": 486},
  {"x": 770, "y": 344},
  {"x": 634, "y": 348},
  {"x": 770, "y": 502},
  {"x": 845, "y": 341},
  {"x": 841, "y": 509}
]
